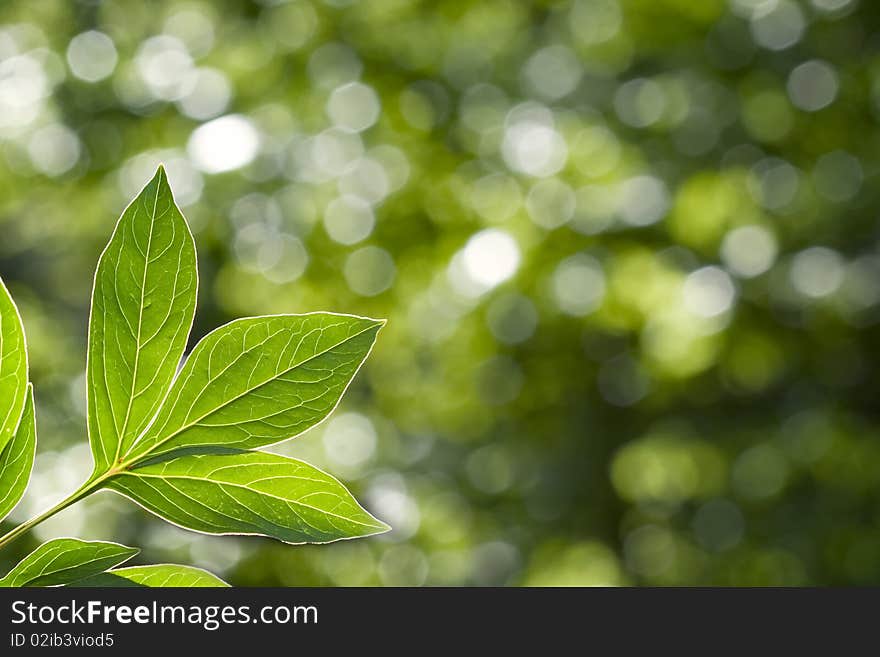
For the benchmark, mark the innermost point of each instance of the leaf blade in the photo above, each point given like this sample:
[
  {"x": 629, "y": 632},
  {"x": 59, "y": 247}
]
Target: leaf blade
[
  {"x": 66, "y": 560},
  {"x": 154, "y": 576},
  {"x": 260, "y": 380},
  {"x": 13, "y": 367},
  {"x": 17, "y": 458},
  {"x": 143, "y": 304},
  {"x": 253, "y": 493}
]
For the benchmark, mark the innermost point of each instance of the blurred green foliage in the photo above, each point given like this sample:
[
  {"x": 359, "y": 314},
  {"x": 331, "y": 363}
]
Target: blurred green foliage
[{"x": 628, "y": 250}]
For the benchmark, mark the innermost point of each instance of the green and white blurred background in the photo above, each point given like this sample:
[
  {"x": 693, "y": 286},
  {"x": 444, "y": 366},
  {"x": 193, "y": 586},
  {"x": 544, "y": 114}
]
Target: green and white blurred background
[{"x": 628, "y": 251}]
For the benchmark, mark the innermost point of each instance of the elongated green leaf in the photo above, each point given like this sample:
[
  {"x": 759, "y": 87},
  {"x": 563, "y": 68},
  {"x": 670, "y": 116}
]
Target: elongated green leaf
[
  {"x": 17, "y": 458},
  {"x": 159, "y": 575},
  {"x": 248, "y": 493},
  {"x": 13, "y": 367},
  {"x": 260, "y": 380},
  {"x": 66, "y": 560},
  {"x": 142, "y": 309}
]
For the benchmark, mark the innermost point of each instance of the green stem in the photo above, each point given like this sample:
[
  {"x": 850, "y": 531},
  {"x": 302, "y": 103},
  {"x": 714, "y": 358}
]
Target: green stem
[{"x": 87, "y": 488}]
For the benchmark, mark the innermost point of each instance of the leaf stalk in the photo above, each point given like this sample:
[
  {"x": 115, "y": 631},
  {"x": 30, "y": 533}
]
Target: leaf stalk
[{"x": 86, "y": 489}]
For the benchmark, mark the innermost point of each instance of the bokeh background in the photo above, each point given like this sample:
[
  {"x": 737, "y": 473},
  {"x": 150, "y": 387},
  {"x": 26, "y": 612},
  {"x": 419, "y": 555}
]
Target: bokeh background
[{"x": 628, "y": 250}]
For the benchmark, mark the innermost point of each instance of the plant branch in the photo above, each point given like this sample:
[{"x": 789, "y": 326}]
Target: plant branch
[{"x": 86, "y": 489}]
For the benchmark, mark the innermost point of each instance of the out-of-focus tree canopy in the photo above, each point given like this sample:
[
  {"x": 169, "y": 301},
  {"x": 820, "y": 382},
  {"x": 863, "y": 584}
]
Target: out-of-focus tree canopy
[{"x": 628, "y": 251}]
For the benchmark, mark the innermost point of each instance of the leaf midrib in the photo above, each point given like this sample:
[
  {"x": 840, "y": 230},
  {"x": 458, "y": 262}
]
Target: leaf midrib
[
  {"x": 52, "y": 555},
  {"x": 132, "y": 458},
  {"x": 137, "y": 353},
  {"x": 245, "y": 487}
]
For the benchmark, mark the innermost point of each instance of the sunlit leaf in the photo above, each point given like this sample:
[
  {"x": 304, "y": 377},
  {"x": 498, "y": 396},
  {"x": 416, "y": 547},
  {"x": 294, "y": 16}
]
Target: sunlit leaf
[
  {"x": 248, "y": 493},
  {"x": 261, "y": 380},
  {"x": 13, "y": 367},
  {"x": 17, "y": 458},
  {"x": 158, "y": 575},
  {"x": 66, "y": 560},
  {"x": 176, "y": 442},
  {"x": 142, "y": 309}
]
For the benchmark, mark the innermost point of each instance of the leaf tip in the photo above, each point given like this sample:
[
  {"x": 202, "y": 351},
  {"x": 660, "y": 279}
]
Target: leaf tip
[
  {"x": 377, "y": 526},
  {"x": 374, "y": 323},
  {"x": 160, "y": 178},
  {"x": 28, "y": 400}
]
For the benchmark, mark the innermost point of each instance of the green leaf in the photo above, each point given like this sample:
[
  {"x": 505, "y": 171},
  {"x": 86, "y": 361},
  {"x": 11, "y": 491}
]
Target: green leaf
[
  {"x": 260, "y": 380},
  {"x": 17, "y": 458},
  {"x": 160, "y": 575},
  {"x": 13, "y": 367},
  {"x": 142, "y": 309},
  {"x": 66, "y": 560},
  {"x": 248, "y": 493}
]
